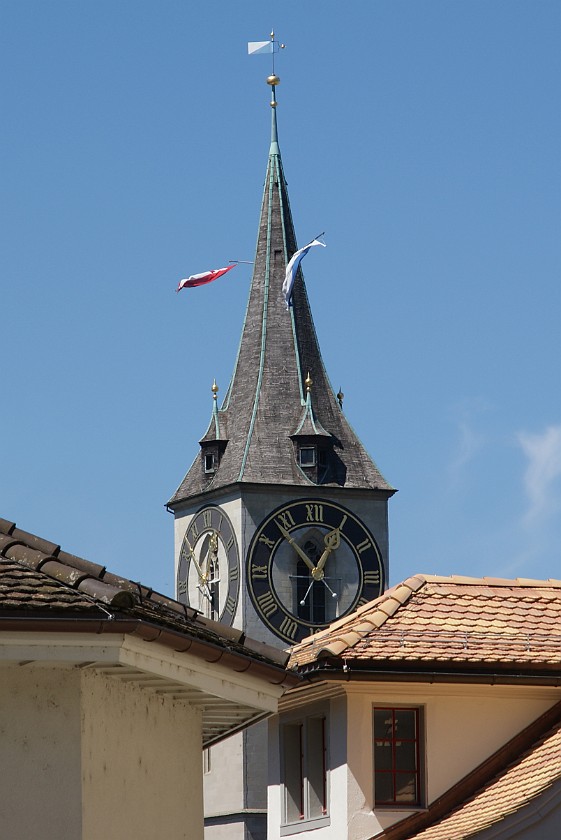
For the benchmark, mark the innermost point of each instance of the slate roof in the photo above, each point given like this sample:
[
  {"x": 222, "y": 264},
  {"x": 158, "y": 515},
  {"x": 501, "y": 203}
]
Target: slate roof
[
  {"x": 432, "y": 621},
  {"x": 43, "y": 586},
  {"x": 266, "y": 397}
]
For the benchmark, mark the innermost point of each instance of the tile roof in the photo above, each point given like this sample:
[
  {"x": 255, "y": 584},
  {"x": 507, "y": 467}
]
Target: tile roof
[
  {"x": 434, "y": 620},
  {"x": 40, "y": 582},
  {"x": 524, "y": 779}
]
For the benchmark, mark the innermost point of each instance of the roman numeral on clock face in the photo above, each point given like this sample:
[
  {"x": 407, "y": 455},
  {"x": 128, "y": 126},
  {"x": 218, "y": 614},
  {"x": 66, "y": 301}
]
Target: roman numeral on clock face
[
  {"x": 267, "y": 604},
  {"x": 207, "y": 518},
  {"x": 286, "y": 520},
  {"x": 230, "y": 606},
  {"x": 288, "y": 627},
  {"x": 314, "y": 513},
  {"x": 371, "y": 578}
]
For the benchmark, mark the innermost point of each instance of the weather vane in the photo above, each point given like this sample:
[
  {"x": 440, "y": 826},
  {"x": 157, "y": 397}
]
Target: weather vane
[{"x": 268, "y": 47}]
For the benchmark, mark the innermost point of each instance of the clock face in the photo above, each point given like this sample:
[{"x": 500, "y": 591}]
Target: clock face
[
  {"x": 309, "y": 563},
  {"x": 208, "y": 575}
]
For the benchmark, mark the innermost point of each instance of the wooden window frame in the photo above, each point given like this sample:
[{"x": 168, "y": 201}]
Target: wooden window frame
[{"x": 393, "y": 771}]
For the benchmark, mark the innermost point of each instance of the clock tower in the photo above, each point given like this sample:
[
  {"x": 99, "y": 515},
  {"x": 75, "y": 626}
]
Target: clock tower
[{"x": 281, "y": 521}]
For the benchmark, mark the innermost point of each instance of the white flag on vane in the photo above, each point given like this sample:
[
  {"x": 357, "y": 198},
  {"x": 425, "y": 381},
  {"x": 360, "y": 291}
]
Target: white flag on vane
[{"x": 259, "y": 47}]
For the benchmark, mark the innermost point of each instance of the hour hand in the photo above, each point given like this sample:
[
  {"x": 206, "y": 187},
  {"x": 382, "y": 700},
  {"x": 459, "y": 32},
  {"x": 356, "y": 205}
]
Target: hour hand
[{"x": 296, "y": 547}]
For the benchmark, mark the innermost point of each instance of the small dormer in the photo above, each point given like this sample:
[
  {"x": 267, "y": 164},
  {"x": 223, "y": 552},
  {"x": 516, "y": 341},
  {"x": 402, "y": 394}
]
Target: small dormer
[
  {"x": 212, "y": 445},
  {"x": 313, "y": 446}
]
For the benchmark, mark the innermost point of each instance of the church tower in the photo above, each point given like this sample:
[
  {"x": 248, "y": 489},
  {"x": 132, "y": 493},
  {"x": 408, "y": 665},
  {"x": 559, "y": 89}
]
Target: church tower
[{"x": 281, "y": 520}]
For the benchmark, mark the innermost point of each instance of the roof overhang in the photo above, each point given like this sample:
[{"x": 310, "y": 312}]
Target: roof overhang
[{"x": 232, "y": 691}]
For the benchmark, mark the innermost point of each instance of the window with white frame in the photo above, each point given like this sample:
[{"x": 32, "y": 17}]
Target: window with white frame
[
  {"x": 397, "y": 756},
  {"x": 304, "y": 769}
]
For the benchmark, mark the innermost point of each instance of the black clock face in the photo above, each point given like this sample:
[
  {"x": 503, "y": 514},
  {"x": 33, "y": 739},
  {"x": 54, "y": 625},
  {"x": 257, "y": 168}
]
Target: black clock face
[
  {"x": 208, "y": 575},
  {"x": 309, "y": 563}
]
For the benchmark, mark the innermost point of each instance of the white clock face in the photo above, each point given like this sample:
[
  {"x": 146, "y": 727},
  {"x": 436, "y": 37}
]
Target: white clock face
[{"x": 209, "y": 568}]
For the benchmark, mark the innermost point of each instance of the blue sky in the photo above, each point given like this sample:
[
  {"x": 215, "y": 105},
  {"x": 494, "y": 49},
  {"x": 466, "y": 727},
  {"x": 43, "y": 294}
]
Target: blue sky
[{"x": 423, "y": 137}]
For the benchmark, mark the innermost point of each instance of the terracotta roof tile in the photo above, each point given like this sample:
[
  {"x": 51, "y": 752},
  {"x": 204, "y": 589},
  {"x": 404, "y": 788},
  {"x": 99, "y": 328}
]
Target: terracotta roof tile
[{"x": 454, "y": 619}]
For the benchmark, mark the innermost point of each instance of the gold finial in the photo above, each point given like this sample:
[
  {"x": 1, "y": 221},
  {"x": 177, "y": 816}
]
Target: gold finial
[
  {"x": 214, "y": 390},
  {"x": 308, "y": 383},
  {"x": 273, "y": 79},
  {"x": 340, "y": 398}
]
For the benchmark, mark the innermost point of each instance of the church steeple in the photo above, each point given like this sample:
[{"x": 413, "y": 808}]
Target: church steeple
[{"x": 267, "y": 400}]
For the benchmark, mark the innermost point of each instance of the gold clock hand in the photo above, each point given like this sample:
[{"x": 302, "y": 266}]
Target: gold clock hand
[
  {"x": 195, "y": 562},
  {"x": 296, "y": 547},
  {"x": 211, "y": 552},
  {"x": 332, "y": 541}
]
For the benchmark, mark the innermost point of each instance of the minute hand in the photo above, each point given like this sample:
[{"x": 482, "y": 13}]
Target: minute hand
[{"x": 296, "y": 547}]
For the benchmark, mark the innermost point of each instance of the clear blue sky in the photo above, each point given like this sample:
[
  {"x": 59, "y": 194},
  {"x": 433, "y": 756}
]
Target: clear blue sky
[{"x": 423, "y": 137}]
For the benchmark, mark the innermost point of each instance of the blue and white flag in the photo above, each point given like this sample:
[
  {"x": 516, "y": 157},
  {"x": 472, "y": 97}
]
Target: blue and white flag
[
  {"x": 292, "y": 268},
  {"x": 260, "y": 47}
]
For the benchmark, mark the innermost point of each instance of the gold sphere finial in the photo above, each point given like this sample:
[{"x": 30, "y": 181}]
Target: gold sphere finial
[
  {"x": 273, "y": 80},
  {"x": 214, "y": 389},
  {"x": 308, "y": 383}
]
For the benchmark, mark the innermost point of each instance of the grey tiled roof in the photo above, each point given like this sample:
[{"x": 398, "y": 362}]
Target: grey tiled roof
[{"x": 266, "y": 398}]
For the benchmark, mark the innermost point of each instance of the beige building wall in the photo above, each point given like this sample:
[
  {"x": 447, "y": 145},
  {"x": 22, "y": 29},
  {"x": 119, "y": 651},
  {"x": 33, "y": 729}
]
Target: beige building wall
[
  {"x": 40, "y": 794},
  {"x": 463, "y": 726},
  {"x": 141, "y": 760}
]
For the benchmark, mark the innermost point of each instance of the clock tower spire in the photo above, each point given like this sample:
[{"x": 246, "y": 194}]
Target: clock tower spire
[
  {"x": 266, "y": 401},
  {"x": 281, "y": 520}
]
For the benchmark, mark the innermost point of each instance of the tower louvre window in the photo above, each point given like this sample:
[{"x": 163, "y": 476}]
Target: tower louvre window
[
  {"x": 307, "y": 456},
  {"x": 209, "y": 462}
]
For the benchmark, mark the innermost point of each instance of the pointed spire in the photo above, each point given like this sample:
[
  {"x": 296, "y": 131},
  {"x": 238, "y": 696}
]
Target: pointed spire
[{"x": 268, "y": 397}]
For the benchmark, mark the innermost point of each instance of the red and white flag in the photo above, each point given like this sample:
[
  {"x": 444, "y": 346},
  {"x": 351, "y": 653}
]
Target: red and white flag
[{"x": 201, "y": 279}]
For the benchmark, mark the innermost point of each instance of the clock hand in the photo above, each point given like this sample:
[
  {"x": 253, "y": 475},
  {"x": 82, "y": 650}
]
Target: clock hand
[
  {"x": 332, "y": 541},
  {"x": 202, "y": 585},
  {"x": 303, "y": 601},
  {"x": 296, "y": 547},
  {"x": 195, "y": 561},
  {"x": 212, "y": 551}
]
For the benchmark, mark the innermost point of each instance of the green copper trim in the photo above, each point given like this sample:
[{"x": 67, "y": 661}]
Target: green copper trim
[
  {"x": 264, "y": 321},
  {"x": 215, "y": 418},
  {"x": 274, "y": 150}
]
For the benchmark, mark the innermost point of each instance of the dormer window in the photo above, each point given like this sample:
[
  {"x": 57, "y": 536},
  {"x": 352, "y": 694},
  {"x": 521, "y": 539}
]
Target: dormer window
[
  {"x": 307, "y": 456},
  {"x": 209, "y": 461}
]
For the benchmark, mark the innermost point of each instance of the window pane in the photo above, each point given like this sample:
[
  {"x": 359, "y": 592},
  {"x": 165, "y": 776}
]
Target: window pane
[
  {"x": 383, "y": 755},
  {"x": 383, "y": 723},
  {"x": 384, "y": 787},
  {"x": 292, "y": 767},
  {"x": 406, "y": 723},
  {"x": 315, "y": 768},
  {"x": 405, "y": 755},
  {"x": 406, "y": 788},
  {"x": 307, "y": 456}
]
